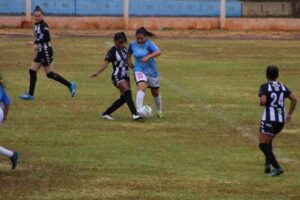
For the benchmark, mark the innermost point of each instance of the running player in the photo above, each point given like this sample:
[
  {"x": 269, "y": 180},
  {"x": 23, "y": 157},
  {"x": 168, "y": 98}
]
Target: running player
[
  {"x": 43, "y": 57},
  {"x": 4, "y": 108},
  {"x": 117, "y": 55},
  {"x": 145, "y": 68},
  {"x": 272, "y": 95}
]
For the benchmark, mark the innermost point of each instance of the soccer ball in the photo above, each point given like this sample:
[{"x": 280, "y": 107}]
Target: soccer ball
[{"x": 146, "y": 112}]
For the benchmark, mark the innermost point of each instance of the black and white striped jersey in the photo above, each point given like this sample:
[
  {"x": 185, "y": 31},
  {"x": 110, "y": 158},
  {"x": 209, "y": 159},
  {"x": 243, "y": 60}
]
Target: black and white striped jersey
[
  {"x": 276, "y": 93},
  {"x": 118, "y": 58},
  {"x": 42, "y": 35}
]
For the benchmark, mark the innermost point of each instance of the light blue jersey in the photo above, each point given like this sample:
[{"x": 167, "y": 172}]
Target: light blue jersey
[
  {"x": 141, "y": 51},
  {"x": 4, "y": 97}
]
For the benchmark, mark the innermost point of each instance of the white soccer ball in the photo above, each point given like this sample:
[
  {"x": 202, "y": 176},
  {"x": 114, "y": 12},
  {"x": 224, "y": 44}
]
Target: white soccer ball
[{"x": 146, "y": 112}]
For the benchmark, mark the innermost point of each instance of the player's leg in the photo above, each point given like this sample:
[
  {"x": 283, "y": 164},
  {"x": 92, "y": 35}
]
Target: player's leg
[
  {"x": 13, "y": 156},
  {"x": 154, "y": 86},
  {"x": 142, "y": 84},
  {"x": 124, "y": 87},
  {"x": 265, "y": 140},
  {"x": 35, "y": 66},
  {"x": 52, "y": 75},
  {"x": 117, "y": 104}
]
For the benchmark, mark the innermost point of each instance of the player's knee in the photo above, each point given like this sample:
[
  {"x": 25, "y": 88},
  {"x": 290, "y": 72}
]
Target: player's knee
[
  {"x": 50, "y": 75},
  {"x": 32, "y": 72},
  {"x": 264, "y": 147},
  {"x": 127, "y": 93}
]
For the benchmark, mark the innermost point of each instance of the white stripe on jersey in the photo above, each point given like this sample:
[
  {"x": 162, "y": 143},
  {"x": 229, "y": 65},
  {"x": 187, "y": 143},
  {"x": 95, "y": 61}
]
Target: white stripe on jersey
[
  {"x": 272, "y": 114},
  {"x": 269, "y": 88},
  {"x": 282, "y": 86},
  {"x": 264, "y": 115},
  {"x": 280, "y": 118}
]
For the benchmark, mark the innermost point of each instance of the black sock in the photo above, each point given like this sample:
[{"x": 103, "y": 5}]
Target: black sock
[
  {"x": 129, "y": 101},
  {"x": 32, "y": 82},
  {"x": 117, "y": 104},
  {"x": 270, "y": 157},
  {"x": 59, "y": 78}
]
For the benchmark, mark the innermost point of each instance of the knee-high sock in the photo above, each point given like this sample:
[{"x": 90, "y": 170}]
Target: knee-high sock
[
  {"x": 158, "y": 103},
  {"x": 59, "y": 79},
  {"x": 6, "y": 152},
  {"x": 32, "y": 82},
  {"x": 117, "y": 104},
  {"x": 270, "y": 157},
  {"x": 139, "y": 99},
  {"x": 129, "y": 101}
]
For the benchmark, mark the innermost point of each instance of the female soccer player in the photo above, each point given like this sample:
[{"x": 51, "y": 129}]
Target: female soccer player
[
  {"x": 4, "y": 108},
  {"x": 117, "y": 55},
  {"x": 272, "y": 95},
  {"x": 145, "y": 69},
  {"x": 43, "y": 57}
]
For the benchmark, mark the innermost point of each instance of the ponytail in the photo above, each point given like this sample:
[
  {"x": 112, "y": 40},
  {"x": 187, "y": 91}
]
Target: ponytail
[
  {"x": 38, "y": 8},
  {"x": 144, "y": 32}
]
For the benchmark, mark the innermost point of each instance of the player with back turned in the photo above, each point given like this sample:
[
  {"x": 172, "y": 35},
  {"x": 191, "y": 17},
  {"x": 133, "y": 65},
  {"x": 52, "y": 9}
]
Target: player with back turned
[{"x": 272, "y": 95}]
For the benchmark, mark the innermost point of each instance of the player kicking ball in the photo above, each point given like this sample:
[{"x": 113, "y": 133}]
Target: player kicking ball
[
  {"x": 4, "y": 108},
  {"x": 117, "y": 55},
  {"x": 272, "y": 95}
]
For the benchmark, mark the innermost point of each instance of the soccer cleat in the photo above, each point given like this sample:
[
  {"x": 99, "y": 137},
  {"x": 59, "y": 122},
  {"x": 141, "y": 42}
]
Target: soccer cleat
[
  {"x": 73, "y": 89},
  {"x": 14, "y": 160},
  {"x": 267, "y": 169},
  {"x": 276, "y": 172},
  {"x": 160, "y": 115},
  {"x": 26, "y": 96},
  {"x": 136, "y": 117},
  {"x": 105, "y": 116}
]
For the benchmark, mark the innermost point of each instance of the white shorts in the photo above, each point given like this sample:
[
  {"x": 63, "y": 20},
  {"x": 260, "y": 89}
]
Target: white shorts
[
  {"x": 1, "y": 115},
  {"x": 151, "y": 81}
]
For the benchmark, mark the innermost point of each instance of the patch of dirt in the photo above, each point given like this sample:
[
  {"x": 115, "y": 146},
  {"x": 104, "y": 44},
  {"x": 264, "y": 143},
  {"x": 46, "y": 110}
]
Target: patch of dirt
[{"x": 189, "y": 34}]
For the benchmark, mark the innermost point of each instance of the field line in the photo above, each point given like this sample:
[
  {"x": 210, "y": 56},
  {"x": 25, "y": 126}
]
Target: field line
[{"x": 244, "y": 130}]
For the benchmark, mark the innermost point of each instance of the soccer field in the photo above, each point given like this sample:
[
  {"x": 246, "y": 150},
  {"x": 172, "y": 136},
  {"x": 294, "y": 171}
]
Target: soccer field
[{"x": 206, "y": 147}]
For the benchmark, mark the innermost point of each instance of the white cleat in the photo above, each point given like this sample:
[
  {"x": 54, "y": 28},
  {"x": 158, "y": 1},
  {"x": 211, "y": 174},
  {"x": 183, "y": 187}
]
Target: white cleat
[
  {"x": 108, "y": 117},
  {"x": 136, "y": 117}
]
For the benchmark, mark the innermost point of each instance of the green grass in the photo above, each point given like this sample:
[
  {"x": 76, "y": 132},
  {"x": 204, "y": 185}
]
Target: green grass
[{"x": 205, "y": 148}]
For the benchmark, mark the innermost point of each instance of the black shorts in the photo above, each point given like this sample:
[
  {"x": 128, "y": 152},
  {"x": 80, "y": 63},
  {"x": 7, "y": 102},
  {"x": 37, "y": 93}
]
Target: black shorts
[
  {"x": 270, "y": 128},
  {"x": 45, "y": 56},
  {"x": 117, "y": 79}
]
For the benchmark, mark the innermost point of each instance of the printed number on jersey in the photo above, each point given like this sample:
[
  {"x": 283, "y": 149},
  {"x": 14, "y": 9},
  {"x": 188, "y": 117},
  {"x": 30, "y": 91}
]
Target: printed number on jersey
[{"x": 277, "y": 100}]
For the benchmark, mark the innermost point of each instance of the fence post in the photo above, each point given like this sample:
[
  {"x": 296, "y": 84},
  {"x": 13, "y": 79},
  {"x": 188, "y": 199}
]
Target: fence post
[
  {"x": 223, "y": 14},
  {"x": 28, "y": 10},
  {"x": 126, "y": 14}
]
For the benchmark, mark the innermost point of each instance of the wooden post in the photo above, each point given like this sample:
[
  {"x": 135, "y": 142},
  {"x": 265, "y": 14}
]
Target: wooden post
[
  {"x": 126, "y": 14},
  {"x": 223, "y": 14},
  {"x": 28, "y": 10}
]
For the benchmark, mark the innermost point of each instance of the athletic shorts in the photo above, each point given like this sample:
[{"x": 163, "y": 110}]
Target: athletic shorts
[
  {"x": 270, "y": 128},
  {"x": 151, "y": 81},
  {"x": 117, "y": 79},
  {"x": 45, "y": 56}
]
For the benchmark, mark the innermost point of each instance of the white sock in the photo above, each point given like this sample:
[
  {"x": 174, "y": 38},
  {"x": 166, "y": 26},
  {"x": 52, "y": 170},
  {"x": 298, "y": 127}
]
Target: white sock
[
  {"x": 139, "y": 99},
  {"x": 6, "y": 152},
  {"x": 158, "y": 103}
]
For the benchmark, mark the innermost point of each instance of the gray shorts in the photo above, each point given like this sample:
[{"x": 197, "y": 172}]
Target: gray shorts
[{"x": 151, "y": 81}]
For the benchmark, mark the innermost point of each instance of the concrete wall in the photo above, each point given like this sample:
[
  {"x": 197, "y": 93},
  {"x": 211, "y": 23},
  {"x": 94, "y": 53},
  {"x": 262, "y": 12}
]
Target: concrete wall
[
  {"x": 174, "y": 8},
  {"x": 162, "y": 23},
  {"x": 264, "y": 9}
]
